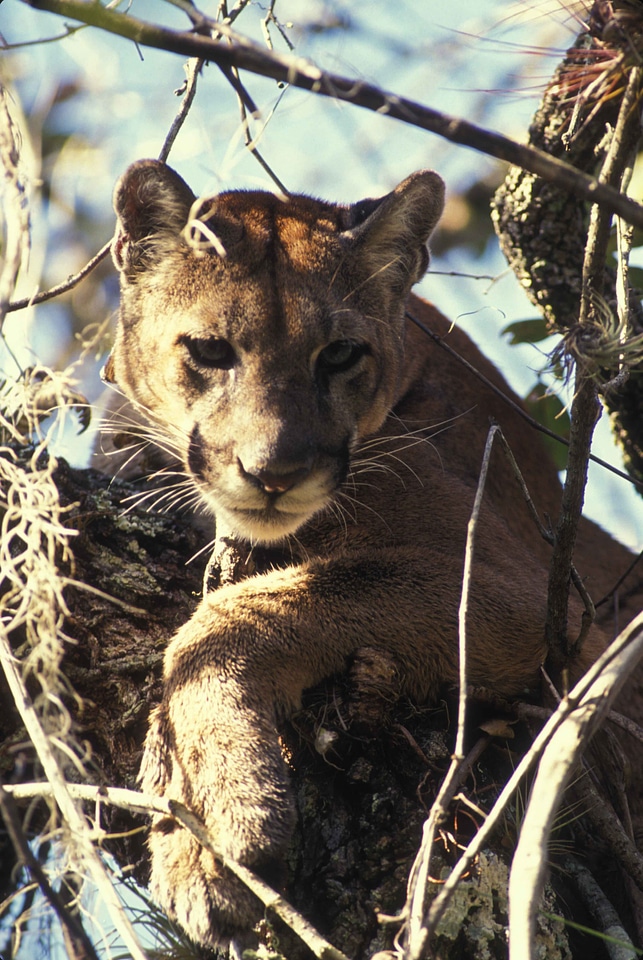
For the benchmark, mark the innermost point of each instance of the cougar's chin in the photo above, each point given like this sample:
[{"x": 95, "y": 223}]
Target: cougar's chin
[{"x": 263, "y": 526}]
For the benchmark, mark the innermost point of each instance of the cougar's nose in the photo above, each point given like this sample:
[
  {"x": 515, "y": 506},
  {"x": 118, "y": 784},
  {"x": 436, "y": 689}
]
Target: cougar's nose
[{"x": 276, "y": 477}]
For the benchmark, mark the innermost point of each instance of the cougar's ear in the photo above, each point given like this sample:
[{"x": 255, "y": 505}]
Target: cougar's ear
[
  {"x": 390, "y": 234},
  {"x": 107, "y": 373},
  {"x": 152, "y": 203}
]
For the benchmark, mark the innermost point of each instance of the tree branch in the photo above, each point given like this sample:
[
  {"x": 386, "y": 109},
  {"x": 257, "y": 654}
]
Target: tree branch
[
  {"x": 79, "y": 945},
  {"x": 137, "y": 802},
  {"x": 563, "y": 751},
  {"x": 584, "y": 415},
  {"x": 14, "y": 192},
  {"x": 585, "y": 406},
  {"x": 75, "y": 821},
  {"x": 631, "y": 635},
  {"x": 298, "y": 72}
]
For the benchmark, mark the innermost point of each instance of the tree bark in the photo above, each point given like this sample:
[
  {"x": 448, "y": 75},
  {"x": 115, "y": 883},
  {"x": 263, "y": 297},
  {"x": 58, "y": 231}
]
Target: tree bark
[{"x": 542, "y": 228}]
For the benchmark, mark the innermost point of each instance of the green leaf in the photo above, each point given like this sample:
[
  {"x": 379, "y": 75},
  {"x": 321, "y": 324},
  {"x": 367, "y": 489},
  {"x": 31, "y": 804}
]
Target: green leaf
[
  {"x": 547, "y": 409},
  {"x": 527, "y": 331}
]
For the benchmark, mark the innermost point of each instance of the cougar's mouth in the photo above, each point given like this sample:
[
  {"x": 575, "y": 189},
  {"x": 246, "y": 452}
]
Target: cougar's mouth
[
  {"x": 243, "y": 509},
  {"x": 265, "y": 518}
]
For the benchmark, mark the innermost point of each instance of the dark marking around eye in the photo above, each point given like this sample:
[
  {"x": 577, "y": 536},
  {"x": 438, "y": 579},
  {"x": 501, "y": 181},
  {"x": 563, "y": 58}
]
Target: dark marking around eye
[
  {"x": 213, "y": 352},
  {"x": 339, "y": 356}
]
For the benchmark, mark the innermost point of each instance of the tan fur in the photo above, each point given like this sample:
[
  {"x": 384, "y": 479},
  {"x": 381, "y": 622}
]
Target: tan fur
[{"x": 363, "y": 475}]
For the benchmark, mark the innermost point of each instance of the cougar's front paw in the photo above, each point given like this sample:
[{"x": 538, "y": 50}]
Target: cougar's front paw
[
  {"x": 210, "y": 750},
  {"x": 195, "y": 890}
]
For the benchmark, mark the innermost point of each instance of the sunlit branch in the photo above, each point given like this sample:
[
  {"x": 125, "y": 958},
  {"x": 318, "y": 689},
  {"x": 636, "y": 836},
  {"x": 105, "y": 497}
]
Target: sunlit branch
[
  {"x": 137, "y": 802},
  {"x": 76, "y": 937},
  {"x": 245, "y": 55}
]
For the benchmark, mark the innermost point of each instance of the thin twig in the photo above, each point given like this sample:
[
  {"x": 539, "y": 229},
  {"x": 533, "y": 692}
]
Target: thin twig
[
  {"x": 584, "y": 416},
  {"x": 78, "y": 941},
  {"x": 418, "y": 877},
  {"x": 265, "y": 27},
  {"x": 13, "y": 190},
  {"x": 607, "y": 825},
  {"x": 67, "y": 284},
  {"x": 602, "y": 910},
  {"x": 142, "y": 803},
  {"x": 511, "y": 403},
  {"x": 272, "y": 900},
  {"x": 585, "y": 406},
  {"x": 88, "y": 588},
  {"x": 75, "y": 821},
  {"x": 590, "y": 607},
  {"x": 565, "y": 707},
  {"x": 246, "y": 103},
  {"x": 472, "y": 527},
  {"x": 192, "y": 70},
  {"x": 622, "y": 142},
  {"x": 634, "y": 729},
  {"x": 298, "y": 72},
  {"x": 546, "y": 533},
  {"x": 233, "y": 76}
]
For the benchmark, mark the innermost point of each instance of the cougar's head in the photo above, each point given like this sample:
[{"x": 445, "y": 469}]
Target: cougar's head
[{"x": 265, "y": 333}]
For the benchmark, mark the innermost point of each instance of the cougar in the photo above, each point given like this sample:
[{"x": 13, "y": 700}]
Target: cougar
[{"x": 273, "y": 346}]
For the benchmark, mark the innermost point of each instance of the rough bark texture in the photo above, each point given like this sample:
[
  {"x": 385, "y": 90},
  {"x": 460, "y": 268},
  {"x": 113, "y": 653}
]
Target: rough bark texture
[
  {"x": 542, "y": 229},
  {"x": 365, "y": 768},
  {"x": 115, "y": 664}
]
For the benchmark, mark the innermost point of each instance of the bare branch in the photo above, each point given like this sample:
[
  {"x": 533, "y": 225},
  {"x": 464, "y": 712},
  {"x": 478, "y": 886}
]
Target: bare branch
[
  {"x": 73, "y": 817},
  {"x": 67, "y": 284},
  {"x": 192, "y": 70},
  {"x": 137, "y": 802},
  {"x": 416, "y": 896},
  {"x": 623, "y": 140},
  {"x": 584, "y": 416},
  {"x": 607, "y": 825},
  {"x": 585, "y": 406},
  {"x": 300, "y": 73},
  {"x": 566, "y": 707},
  {"x": 562, "y": 753},
  {"x": 14, "y": 193},
  {"x": 79, "y": 945},
  {"x": 600, "y": 908}
]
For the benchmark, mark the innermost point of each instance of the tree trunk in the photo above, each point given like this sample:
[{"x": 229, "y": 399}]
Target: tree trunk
[{"x": 543, "y": 230}]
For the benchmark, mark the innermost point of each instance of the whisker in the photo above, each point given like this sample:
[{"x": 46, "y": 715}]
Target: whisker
[
  {"x": 303, "y": 552},
  {"x": 208, "y": 546},
  {"x": 341, "y": 514},
  {"x": 366, "y": 506},
  {"x": 147, "y": 438},
  {"x": 156, "y": 496},
  {"x": 177, "y": 498}
]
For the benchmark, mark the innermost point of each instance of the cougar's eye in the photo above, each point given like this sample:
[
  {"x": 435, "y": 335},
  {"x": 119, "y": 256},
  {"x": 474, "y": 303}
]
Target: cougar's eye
[
  {"x": 211, "y": 352},
  {"x": 340, "y": 355}
]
